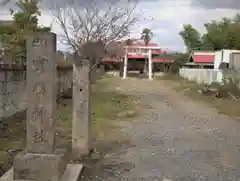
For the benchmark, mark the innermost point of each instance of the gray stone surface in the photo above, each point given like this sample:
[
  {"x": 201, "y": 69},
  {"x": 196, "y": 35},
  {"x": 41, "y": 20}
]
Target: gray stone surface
[
  {"x": 94, "y": 75},
  {"x": 40, "y": 162},
  {"x": 102, "y": 69},
  {"x": 42, "y": 167},
  {"x": 121, "y": 69},
  {"x": 81, "y": 108},
  {"x": 71, "y": 173},
  {"x": 41, "y": 93}
]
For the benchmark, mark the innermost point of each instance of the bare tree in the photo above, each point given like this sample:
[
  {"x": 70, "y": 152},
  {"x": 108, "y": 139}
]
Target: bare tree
[
  {"x": 93, "y": 51},
  {"x": 116, "y": 49},
  {"x": 94, "y": 21}
]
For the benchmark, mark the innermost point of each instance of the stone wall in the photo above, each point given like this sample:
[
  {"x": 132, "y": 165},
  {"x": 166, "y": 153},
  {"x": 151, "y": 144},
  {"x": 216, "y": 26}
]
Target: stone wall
[{"x": 13, "y": 88}]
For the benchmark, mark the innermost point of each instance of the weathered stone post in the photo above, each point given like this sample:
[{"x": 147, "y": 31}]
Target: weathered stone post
[
  {"x": 94, "y": 75},
  {"x": 102, "y": 69},
  {"x": 81, "y": 107},
  {"x": 121, "y": 65},
  {"x": 41, "y": 161}
]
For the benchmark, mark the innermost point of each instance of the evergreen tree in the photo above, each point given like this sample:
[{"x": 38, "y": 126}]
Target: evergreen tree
[
  {"x": 25, "y": 22},
  {"x": 224, "y": 34}
]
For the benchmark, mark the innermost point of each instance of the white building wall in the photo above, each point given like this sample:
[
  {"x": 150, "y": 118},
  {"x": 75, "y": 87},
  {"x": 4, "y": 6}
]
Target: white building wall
[
  {"x": 206, "y": 76},
  {"x": 223, "y": 56}
]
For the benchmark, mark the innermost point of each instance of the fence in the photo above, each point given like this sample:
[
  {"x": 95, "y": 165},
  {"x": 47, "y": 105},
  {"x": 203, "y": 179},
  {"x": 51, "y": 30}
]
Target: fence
[
  {"x": 13, "y": 84},
  {"x": 206, "y": 76}
]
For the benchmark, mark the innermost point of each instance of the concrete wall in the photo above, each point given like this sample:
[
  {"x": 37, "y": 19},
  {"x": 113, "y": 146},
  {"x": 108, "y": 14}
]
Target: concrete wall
[
  {"x": 13, "y": 84},
  {"x": 208, "y": 76},
  {"x": 235, "y": 61},
  {"x": 202, "y": 75}
]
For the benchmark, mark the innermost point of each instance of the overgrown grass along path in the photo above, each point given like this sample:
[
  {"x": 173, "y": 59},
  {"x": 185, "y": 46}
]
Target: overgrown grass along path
[{"x": 191, "y": 89}]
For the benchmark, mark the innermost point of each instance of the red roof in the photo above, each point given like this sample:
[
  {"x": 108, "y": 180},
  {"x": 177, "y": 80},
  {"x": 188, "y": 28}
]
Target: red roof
[
  {"x": 154, "y": 51},
  {"x": 203, "y": 58}
]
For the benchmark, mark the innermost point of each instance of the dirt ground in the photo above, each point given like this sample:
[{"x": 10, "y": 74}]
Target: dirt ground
[{"x": 172, "y": 138}]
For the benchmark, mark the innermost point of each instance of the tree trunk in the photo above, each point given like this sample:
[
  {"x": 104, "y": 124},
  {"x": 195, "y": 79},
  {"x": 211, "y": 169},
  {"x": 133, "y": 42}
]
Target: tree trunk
[{"x": 121, "y": 68}]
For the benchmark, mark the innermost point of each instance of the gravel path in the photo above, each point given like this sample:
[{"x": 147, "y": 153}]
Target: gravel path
[{"x": 174, "y": 139}]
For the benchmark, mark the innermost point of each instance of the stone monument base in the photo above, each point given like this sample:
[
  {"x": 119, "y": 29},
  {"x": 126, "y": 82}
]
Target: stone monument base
[
  {"x": 45, "y": 167},
  {"x": 71, "y": 173}
]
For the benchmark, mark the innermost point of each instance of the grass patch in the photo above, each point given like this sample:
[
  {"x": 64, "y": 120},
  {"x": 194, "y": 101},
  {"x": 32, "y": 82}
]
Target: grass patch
[
  {"x": 191, "y": 89},
  {"x": 12, "y": 140},
  {"x": 108, "y": 106}
]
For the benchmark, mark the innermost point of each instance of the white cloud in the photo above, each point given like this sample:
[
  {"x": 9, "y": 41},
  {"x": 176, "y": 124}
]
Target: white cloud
[
  {"x": 169, "y": 17},
  {"x": 213, "y": 4}
]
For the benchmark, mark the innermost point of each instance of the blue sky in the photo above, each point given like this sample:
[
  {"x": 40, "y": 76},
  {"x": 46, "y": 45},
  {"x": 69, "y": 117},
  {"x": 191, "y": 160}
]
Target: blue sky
[{"x": 166, "y": 18}]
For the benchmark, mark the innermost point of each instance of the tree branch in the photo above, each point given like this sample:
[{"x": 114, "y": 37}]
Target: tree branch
[{"x": 95, "y": 21}]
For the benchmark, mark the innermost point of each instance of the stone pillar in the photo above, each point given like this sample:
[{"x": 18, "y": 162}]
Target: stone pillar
[
  {"x": 121, "y": 67},
  {"x": 102, "y": 69},
  {"x": 150, "y": 64},
  {"x": 94, "y": 75},
  {"x": 41, "y": 161},
  {"x": 81, "y": 107},
  {"x": 125, "y": 66}
]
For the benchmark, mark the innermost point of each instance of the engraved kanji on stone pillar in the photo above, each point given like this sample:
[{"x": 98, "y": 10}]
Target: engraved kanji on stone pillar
[
  {"x": 81, "y": 107},
  {"x": 41, "y": 93}
]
